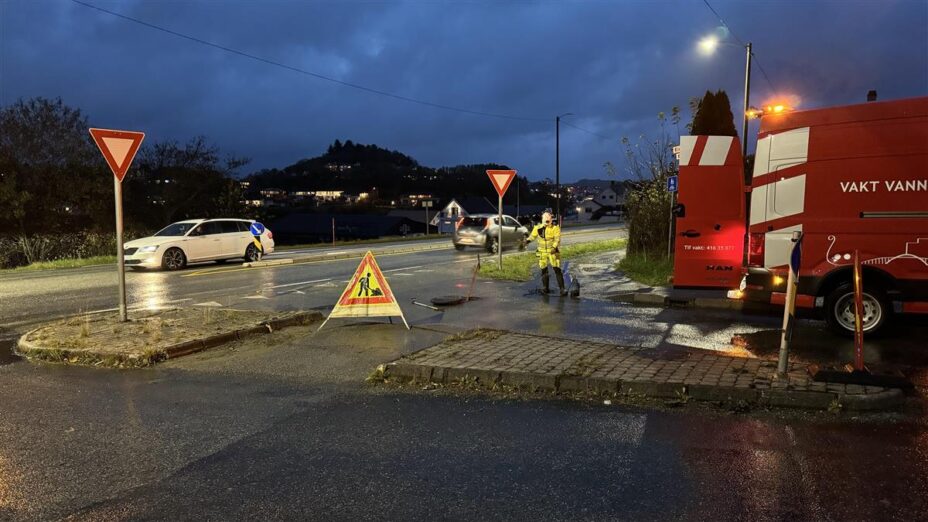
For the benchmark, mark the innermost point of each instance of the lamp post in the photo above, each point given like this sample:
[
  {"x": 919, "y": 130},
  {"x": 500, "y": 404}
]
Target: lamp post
[
  {"x": 557, "y": 165},
  {"x": 707, "y": 46}
]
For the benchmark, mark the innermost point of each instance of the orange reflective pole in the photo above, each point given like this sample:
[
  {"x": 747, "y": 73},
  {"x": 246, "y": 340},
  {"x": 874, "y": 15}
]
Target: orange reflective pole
[{"x": 858, "y": 314}]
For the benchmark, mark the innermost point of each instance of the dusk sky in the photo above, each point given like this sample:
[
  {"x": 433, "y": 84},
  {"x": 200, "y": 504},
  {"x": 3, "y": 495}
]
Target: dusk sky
[{"x": 614, "y": 64}]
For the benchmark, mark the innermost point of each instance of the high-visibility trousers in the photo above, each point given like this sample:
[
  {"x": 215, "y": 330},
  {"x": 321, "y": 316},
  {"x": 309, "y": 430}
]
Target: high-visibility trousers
[{"x": 549, "y": 258}]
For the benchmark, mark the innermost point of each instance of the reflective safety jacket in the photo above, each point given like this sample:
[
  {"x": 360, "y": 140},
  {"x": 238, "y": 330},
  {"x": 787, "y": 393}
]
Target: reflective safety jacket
[{"x": 549, "y": 238}]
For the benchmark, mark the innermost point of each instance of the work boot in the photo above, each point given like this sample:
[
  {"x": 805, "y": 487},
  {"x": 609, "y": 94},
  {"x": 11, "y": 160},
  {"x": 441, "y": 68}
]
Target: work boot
[
  {"x": 560, "y": 280},
  {"x": 545, "y": 281}
]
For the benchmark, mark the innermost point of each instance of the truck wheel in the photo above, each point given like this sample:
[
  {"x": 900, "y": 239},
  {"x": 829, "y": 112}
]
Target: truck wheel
[
  {"x": 173, "y": 259},
  {"x": 839, "y": 309}
]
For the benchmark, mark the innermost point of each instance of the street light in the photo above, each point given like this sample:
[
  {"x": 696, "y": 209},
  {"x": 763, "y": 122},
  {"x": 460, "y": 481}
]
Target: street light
[
  {"x": 707, "y": 46},
  {"x": 557, "y": 164}
]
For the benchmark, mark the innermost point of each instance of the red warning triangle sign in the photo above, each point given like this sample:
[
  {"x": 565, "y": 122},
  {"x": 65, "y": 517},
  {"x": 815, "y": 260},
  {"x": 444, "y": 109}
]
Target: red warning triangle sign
[
  {"x": 367, "y": 295},
  {"x": 501, "y": 179},
  {"x": 118, "y": 148}
]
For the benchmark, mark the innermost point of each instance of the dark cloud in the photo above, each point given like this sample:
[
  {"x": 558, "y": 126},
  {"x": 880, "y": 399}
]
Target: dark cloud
[{"x": 614, "y": 64}]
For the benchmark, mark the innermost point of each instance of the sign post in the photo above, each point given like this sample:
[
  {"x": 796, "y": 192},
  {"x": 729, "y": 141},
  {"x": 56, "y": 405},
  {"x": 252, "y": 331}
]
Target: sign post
[
  {"x": 501, "y": 180},
  {"x": 119, "y": 149},
  {"x": 672, "y": 188},
  {"x": 789, "y": 311},
  {"x": 426, "y": 204},
  {"x": 256, "y": 230}
]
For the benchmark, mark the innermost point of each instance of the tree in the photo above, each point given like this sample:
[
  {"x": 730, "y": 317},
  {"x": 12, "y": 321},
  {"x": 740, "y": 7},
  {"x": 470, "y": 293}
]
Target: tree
[
  {"x": 52, "y": 178},
  {"x": 713, "y": 116},
  {"x": 650, "y": 162},
  {"x": 187, "y": 181}
]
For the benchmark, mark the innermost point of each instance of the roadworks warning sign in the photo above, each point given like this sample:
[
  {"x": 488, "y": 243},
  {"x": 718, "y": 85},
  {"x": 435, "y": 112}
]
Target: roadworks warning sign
[{"x": 367, "y": 295}]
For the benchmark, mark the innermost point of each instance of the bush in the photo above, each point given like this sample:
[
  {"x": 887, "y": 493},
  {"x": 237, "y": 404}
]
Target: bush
[
  {"x": 648, "y": 208},
  {"x": 27, "y": 249}
]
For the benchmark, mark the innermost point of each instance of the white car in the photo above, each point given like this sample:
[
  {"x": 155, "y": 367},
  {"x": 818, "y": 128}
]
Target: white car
[{"x": 195, "y": 241}]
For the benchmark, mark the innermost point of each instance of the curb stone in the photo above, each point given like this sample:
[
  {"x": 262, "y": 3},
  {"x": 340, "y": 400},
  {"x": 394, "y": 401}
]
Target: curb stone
[
  {"x": 656, "y": 299},
  {"x": 272, "y": 262},
  {"x": 884, "y": 400}
]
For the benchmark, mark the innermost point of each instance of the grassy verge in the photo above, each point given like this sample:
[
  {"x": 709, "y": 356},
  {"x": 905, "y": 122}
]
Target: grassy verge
[
  {"x": 65, "y": 263},
  {"x": 649, "y": 270},
  {"x": 519, "y": 267}
]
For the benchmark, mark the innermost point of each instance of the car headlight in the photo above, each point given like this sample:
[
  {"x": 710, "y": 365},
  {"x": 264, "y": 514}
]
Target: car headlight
[{"x": 148, "y": 249}]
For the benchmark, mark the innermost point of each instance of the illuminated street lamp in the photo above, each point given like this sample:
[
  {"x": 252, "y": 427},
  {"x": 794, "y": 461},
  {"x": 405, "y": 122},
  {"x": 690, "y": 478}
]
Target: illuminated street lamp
[{"x": 707, "y": 47}]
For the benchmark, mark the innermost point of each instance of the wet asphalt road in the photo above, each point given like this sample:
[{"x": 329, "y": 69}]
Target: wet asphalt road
[{"x": 283, "y": 427}]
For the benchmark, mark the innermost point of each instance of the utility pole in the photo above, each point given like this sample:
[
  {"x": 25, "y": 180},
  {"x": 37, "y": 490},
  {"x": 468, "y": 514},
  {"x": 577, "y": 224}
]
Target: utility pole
[
  {"x": 747, "y": 94},
  {"x": 557, "y": 164},
  {"x": 557, "y": 168}
]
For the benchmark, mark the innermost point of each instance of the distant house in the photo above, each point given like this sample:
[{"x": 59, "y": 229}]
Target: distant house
[{"x": 608, "y": 205}]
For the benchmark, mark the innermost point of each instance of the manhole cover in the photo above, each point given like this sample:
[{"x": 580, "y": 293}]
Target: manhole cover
[{"x": 448, "y": 300}]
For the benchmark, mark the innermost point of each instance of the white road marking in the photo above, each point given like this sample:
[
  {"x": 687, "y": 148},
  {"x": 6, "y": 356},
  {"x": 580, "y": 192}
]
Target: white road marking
[
  {"x": 401, "y": 269},
  {"x": 337, "y": 252},
  {"x": 208, "y": 303},
  {"x": 302, "y": 283},
  {"x": 255, "y": 297}
]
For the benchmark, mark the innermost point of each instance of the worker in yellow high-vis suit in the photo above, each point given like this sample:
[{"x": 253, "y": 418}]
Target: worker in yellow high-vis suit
[{"x": 549, "y": 241}]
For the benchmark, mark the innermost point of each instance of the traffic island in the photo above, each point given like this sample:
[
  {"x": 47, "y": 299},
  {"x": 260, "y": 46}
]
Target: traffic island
[
  {"x": 148, "y": 337},
  {"x": 502, "y": 360}
]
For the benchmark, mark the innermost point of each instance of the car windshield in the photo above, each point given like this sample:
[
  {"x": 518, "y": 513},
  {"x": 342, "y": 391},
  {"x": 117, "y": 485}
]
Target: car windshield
[{"x": 177, "y": 229}]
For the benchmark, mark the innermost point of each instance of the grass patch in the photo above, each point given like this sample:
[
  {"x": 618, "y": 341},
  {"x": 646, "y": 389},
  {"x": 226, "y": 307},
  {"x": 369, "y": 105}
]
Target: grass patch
[
  {"x": 520, "y": 267},
  {"x": 66, "y": 263},
  {"x": 645, "y": 269}
]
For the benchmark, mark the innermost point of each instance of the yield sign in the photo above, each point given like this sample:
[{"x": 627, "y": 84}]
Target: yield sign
[
  {"x": 501, "y": 179},
  {"x": 118, "y": 148}
]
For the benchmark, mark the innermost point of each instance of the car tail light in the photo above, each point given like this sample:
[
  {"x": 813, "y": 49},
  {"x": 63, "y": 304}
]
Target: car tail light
[
  {"x": 457, "y": 224},
  {"x": 756, "y": 250},
  {"x": 487, "y": 225}
]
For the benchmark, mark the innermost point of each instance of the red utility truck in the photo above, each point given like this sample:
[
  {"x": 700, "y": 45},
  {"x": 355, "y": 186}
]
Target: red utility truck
[{"x": 849, "y": 178}]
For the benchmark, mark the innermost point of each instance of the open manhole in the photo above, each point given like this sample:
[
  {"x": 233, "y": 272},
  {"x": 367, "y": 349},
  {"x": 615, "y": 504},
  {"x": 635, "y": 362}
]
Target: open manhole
[{"x": 450, "y": 300}]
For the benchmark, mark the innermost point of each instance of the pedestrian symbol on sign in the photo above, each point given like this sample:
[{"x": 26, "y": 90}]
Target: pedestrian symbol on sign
[{"x": 672, "y": 184}]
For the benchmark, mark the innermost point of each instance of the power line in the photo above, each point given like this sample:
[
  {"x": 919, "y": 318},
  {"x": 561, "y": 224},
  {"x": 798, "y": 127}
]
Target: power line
[
  {"x": 305, "y": 72},
  {"x": 598, "y": 135},
  {"x": 733, "y": 35}
]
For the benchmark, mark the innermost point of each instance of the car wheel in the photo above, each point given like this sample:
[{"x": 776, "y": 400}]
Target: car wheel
[
  {"x": 492, "y": 245},
  {"x": 251, "y": 253},
  {"x": 523, "y": 243},
  {"x": 839, "y": 309},
  {"x": 459, "y": 247},
  {"x": 173, "y": 259}
]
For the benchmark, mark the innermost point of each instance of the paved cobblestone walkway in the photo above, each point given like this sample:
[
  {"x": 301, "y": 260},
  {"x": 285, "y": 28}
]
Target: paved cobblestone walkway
[{"x": 493, "y": 357}]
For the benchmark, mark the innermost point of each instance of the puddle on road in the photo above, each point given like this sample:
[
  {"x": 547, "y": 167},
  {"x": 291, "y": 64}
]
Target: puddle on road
[{"x": 7, "y": 342}]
